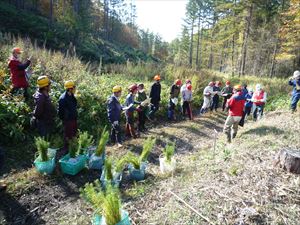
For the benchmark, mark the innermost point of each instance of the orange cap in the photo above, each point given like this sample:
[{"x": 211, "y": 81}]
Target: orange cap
[
  {"x": 17, "y": 50},
  {"x": 157, "y": 77}
]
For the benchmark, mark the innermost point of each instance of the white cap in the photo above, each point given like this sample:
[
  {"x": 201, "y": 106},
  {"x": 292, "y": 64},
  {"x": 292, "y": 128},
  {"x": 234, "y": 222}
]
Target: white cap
[
  {"x": 296, "y": 74},
  {"x": 250, "y": 89},
  {"x": 258, "y": 87}
]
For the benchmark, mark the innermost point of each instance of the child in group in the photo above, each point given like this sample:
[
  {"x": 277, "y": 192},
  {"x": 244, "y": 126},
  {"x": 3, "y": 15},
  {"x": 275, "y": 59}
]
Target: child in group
[{"x": 142, "y": 109}]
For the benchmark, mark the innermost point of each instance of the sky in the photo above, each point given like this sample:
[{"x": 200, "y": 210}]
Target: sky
[{"x": 164, "y": 17}]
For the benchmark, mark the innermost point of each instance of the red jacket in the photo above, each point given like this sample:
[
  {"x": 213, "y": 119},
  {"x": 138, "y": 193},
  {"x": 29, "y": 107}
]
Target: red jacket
[
  {"x": 236, "y": 104},
  {"x": 17, "y": 73}
]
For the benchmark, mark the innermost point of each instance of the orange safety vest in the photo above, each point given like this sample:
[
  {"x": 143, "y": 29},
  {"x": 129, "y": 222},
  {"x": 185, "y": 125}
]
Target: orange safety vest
[{"x": 258, "y": 97}]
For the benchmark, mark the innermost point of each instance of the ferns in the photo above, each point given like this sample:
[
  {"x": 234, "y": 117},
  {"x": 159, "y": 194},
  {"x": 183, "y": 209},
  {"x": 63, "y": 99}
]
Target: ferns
[
  {"x": 42, "y": 146},
  {"x": 169, "y": 151},
  {"x": 103, "y": 141}
]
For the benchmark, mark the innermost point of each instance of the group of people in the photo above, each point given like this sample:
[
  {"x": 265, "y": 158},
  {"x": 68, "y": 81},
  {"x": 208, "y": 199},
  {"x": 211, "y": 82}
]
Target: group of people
[{"x": 137, "y": 101}]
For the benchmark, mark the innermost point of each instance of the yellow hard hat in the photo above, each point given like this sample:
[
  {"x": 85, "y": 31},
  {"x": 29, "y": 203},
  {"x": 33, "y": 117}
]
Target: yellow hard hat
[
  {"x": 238, "y": 87},
  {"x": 69, "y": 84},
  {"x": 116, "y": 89},
  {"x": 43, "y": 81}
]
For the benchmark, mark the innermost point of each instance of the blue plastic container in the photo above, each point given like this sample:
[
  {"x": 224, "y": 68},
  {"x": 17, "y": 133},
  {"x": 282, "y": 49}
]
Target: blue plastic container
[
  {"x": 117, "y": 178},
  {"x": 48, "y": 166},
  {"x": 72, "y": 168},
  {"x": 100, "y": 220},
  {"x": 95, "y": 162},
  {"x": 135, "y": 174}
]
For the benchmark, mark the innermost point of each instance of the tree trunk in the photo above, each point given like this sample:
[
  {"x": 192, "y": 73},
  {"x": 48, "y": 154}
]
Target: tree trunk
[
  {"x": 274, "y": 59},
  {"x": 191, "y": 44},
  {"x": 211, "y": 57},
  {"x": 289, "y": 160},
  {"x": 245, "y": 41},
  {"x": 198, "y": 42},
  {"x": 51, "y": 13}
]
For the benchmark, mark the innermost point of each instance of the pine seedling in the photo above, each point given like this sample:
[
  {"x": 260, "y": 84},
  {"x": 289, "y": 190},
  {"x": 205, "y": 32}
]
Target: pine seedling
[
  {"x": 102, "y": 143},
  {"x": 133, "y": 159},
  {"x": 84, "y": 141},
  {"x": 42, "y": 146},
  {"x": 73, "y": 147},
  {"x": 147, "y": 148},
  {"x": 169, "y": 151},
  {"x": 112, "y": 206},
  {"x": 108, "y": 169}
]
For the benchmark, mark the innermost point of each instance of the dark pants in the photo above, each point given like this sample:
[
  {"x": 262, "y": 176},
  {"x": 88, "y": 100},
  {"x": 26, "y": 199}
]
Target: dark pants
[
  {"x": 154, "y": 108},
  {"x": 186, "y": 107},
  {"x": 115, "y": 134},
  {"x": 1, "y": 159},
  {"x": 225, "y": 101},
  {"x": 215, "y": 103},
  {"x": 142, "y": 120},
  {"x": 70, "y": 131},
  {"x": 44, "y": 128},
  {"x": 248, "y": 110},
  {"x": 25, "y": 94},
  {"x": 258, "y": 110},
  {"x": 294, "y": 101},
  {"x": 171, "y": 110},
  {"x": 130, "y": 131}
]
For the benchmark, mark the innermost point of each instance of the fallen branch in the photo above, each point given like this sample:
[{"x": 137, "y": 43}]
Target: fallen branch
[{"x": 191, "y": 208}]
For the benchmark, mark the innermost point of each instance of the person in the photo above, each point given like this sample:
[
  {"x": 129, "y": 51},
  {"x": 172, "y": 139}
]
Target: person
[
  {"x": 235, "y": 106},
  {"x": 215, "y": 98},
  {"x": 183, "y": 87},
  {"x": 244, "y": 89},
  {"x": 142, "y": 109},
  {"x": 186, "y": 95},
  {"x": 248, "y": 103},
  {"x": 173, "y": 101},
  {"x": 18, "y": 73},
  {"x": 295, "y": 82},
  {"x": 226, "y": 93},
  {"x": 207, "y": 97},
  {"x": 155, "y": 96},
  {"x": 259, "y": 99},
  {"x": 44, "y": 111},
  {"x": 67, "y": 111},
  {"x": 129, "y": 112},
  {"x": 114, "y": 109}
]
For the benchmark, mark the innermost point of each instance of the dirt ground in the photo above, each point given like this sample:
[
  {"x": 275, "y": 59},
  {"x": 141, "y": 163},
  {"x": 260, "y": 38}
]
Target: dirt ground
[{"x": 228, "y": 184}]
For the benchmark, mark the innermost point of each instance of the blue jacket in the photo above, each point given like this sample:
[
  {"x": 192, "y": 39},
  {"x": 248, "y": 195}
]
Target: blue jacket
[
  {"x": 130, "y": 100},
  {"x": 114, "y": 109},
  {"x": 248, "y": 97},
  {"x": 296, "y": 85},
  {"x": 67, "y": 107}
]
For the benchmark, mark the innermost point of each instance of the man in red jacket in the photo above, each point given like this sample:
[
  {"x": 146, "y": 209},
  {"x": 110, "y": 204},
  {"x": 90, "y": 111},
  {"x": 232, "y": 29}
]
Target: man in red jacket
[
  {"x": 236, "y": 106},
  {"x": 17, "y": 72}
]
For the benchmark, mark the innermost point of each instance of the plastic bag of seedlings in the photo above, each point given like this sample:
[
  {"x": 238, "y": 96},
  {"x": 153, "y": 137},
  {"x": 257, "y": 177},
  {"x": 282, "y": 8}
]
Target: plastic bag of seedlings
[
  {"x": 96, "y": 162},
  {"x": 167, "y": 167},
  {"x": 100, "y": 220},
  {"x": 137, "y": 174}
]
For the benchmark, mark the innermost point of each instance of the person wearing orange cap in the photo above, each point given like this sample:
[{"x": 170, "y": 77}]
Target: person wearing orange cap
[
  {"x": 173, "y": 101},
  {"x": 129, "y": 110},
  {"x": 155, "y": 95},
  {"x": 18, "y": 73},
  {"x": 186, "y": 101},
  {"x": 215, "y": 98},
  {"x": 236, "y": 108},
  {"x": 226, "y": 93}
]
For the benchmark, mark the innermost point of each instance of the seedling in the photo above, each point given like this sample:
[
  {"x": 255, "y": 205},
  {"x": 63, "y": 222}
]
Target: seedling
[
  {"x": 169, "y": 151},
  {"x": 42, "y": 146},
  {"x": 73, "y": 147},
  {"x": 103, "y": 141},
  {"x": 84, "y": 141}
]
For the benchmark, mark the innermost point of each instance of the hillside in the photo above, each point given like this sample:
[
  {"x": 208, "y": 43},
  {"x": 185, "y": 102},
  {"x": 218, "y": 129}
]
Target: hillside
[{"x": 232, "y": 184}]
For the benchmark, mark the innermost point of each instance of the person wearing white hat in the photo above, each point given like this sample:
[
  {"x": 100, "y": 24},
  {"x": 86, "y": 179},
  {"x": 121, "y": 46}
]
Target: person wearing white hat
[
  {"x": 259, "y": 100},
  {"x": 295, "y": 82}
]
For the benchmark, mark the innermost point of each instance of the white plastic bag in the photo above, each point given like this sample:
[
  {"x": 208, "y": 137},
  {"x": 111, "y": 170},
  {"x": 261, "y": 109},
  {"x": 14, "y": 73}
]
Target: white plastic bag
[{"x": 167, "y": 167}]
